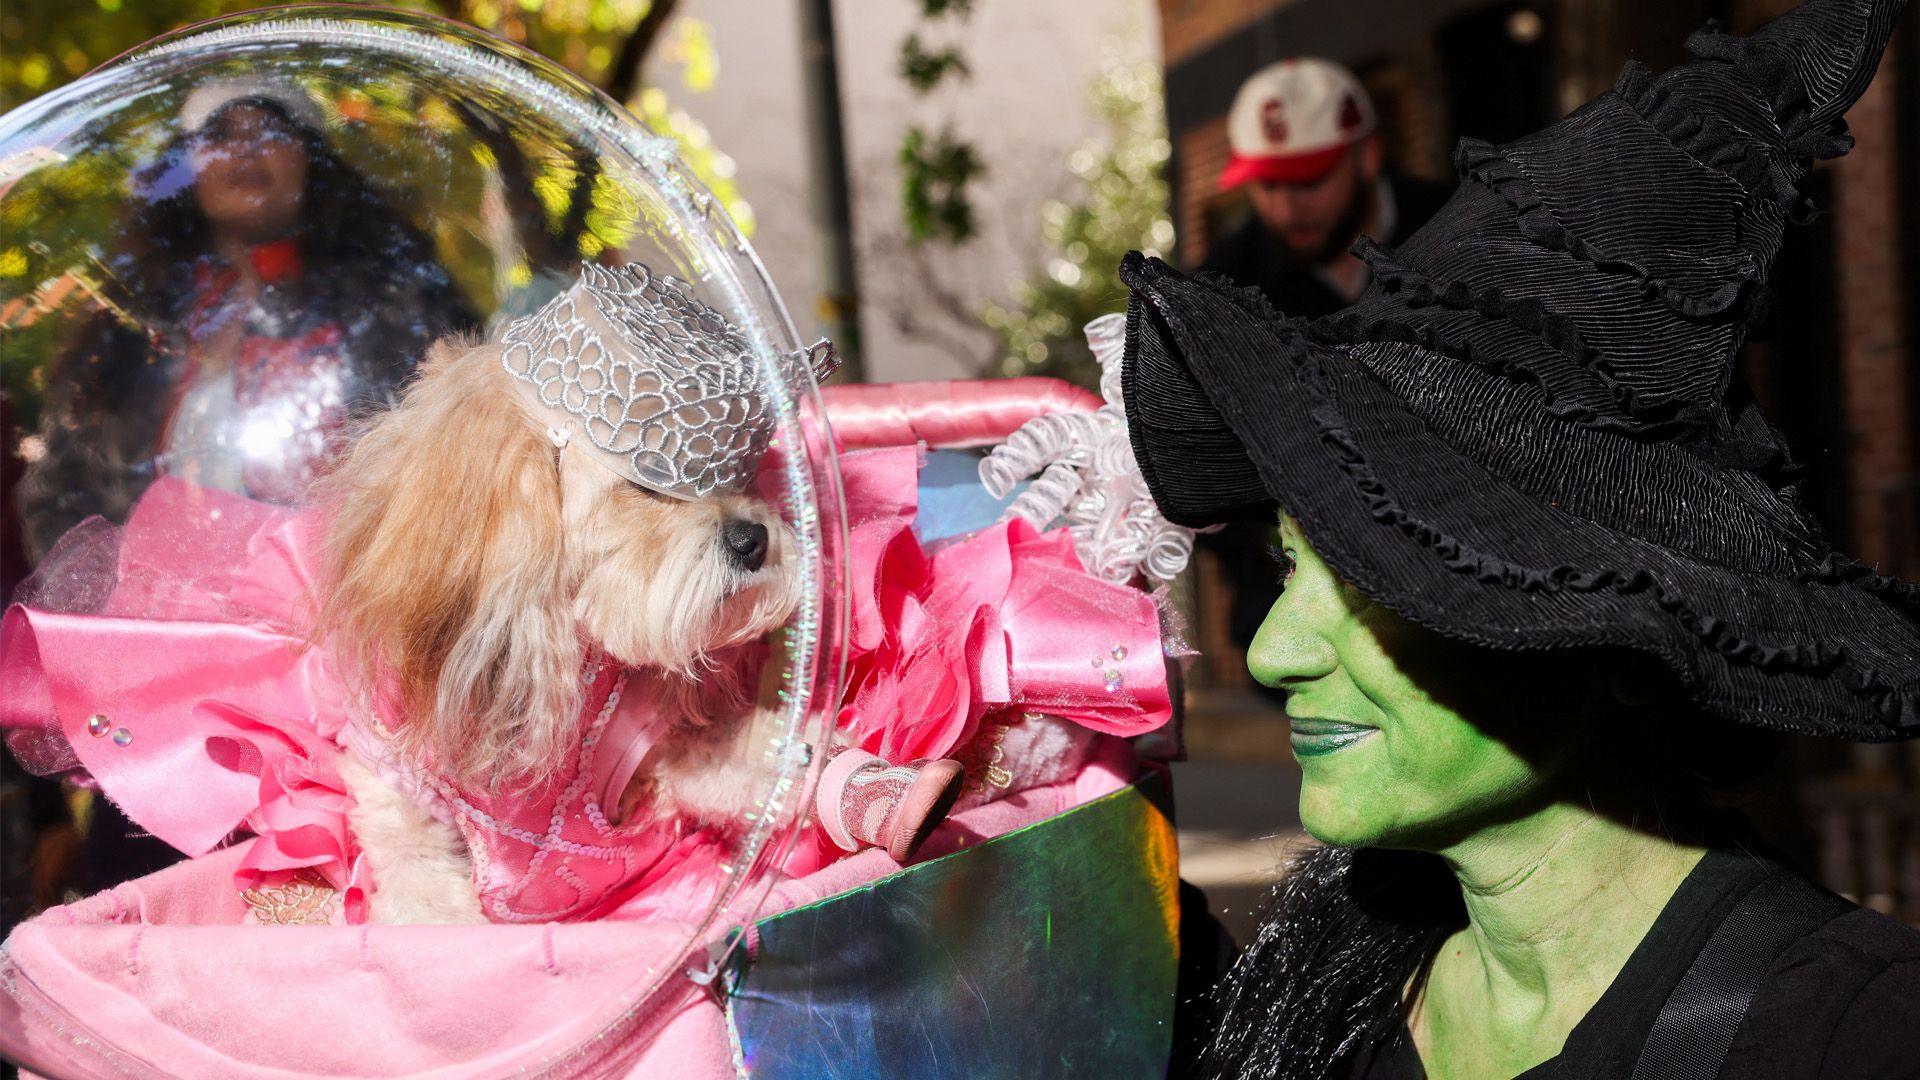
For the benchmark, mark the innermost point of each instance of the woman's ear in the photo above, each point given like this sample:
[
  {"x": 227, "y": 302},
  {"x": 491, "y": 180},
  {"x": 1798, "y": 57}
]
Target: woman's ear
[{"x": 447, "y": 555}]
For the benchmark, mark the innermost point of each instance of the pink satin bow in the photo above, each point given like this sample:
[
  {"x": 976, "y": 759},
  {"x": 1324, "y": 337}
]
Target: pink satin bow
[
  {"x": 1004, "y": 619},
  {"x": 189, "y": 696}
]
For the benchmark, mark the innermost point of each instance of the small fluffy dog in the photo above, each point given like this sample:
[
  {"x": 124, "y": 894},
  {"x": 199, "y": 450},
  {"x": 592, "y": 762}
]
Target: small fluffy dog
[{"x": 579, "y": 487}]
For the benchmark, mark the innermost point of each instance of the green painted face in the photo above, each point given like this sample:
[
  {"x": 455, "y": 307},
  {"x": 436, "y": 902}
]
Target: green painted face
[{"x": 1405, "y": 738}]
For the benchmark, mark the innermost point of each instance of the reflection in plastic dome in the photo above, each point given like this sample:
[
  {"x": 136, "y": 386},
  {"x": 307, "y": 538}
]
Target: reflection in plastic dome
[
  {"x": 255, "y": 294},
  {"x": 235, "y": 252}
]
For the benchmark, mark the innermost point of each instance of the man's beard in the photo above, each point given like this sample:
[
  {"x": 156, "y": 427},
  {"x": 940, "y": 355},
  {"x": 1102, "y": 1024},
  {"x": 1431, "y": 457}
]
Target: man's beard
[{"x": 1346, "y": 229}]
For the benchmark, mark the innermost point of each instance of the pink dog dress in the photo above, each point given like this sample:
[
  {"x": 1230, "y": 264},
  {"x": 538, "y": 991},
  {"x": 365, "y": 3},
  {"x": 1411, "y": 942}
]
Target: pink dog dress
[{"x": 167, "y": 661}]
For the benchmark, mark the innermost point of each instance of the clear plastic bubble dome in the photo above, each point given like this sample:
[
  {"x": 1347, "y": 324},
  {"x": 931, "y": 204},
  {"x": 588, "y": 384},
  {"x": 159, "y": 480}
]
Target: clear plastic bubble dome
[{"x": 459, "y": 339}]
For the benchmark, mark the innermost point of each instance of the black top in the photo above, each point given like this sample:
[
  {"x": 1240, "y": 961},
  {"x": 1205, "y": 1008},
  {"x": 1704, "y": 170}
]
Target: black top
[
  {"x": 1250, "y": 255},
  {"x": 1843, "y": 1002}
]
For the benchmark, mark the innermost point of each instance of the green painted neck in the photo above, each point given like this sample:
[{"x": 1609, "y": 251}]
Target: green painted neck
[
  {"x": 1549, "y": 893},
  {"x": 1557, "y": 901}
]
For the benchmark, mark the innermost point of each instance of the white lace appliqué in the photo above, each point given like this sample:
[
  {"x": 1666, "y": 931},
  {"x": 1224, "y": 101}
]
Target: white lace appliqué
[{"x": 1085, "y": 476}]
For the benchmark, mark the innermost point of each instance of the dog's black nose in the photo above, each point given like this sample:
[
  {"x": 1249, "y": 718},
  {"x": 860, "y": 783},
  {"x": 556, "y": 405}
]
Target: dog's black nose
[{"x": 747, "y": 540}]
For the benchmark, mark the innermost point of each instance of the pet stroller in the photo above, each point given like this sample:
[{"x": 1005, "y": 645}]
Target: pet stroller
[{"x": 173, "y": 407}]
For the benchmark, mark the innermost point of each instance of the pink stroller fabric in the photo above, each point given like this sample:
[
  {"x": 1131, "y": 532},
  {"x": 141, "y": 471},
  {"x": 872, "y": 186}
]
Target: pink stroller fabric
[{"x": 154, "y": 979}]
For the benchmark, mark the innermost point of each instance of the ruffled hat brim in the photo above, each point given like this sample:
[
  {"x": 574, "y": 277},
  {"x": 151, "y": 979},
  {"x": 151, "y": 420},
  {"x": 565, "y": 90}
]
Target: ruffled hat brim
[{"x": 1234, "y": 409}]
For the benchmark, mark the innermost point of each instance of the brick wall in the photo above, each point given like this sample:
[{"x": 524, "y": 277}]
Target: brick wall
[
  {"x": 1875, "y": 343},
  {"x": 1187, "y": 26},
  {"x": 1201, "y": 155}
]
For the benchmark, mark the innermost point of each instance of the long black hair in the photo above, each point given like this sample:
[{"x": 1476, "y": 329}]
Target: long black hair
[
  {"x": 1346, "y": 937},
  {"x": 370, "y": 266}
]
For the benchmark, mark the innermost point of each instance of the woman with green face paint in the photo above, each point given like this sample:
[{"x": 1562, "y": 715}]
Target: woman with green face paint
[
  {"x": 1547, "y": 591},
  {"x": 1406, "y": 739},
  {"x": 1543, "y": 785}
]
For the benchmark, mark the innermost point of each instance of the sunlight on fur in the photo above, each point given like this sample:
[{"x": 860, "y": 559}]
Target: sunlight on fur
[{"x": 473, "y": 563}]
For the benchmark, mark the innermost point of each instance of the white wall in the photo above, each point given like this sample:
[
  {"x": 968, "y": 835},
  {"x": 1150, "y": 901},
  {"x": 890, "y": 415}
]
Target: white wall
[{"x": 1024, "y": 109}]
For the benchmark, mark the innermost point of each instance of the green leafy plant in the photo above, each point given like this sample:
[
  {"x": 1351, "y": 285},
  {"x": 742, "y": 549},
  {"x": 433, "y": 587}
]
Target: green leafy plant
[
  {"x": 606, "y": 42},
  {"x": 936, "y": 169},
  {"x": 924, "y": 68}
]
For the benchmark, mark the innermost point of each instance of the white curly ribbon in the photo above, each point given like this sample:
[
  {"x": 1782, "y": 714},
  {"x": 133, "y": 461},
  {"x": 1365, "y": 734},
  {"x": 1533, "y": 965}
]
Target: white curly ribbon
[{"x": 1085, "y": 476}]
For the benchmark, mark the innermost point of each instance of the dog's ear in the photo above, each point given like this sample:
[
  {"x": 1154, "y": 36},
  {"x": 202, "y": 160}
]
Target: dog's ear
[{"x": 448, "y": 592}]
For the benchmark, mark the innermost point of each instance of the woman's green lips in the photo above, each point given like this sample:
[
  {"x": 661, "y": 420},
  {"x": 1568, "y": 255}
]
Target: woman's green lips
[{"x": 1314, "y": 738}]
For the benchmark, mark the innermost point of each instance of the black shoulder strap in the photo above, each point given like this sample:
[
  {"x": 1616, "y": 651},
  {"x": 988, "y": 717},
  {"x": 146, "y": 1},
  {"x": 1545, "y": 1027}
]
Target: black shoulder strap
[{"x": 1695, "y": 1029}]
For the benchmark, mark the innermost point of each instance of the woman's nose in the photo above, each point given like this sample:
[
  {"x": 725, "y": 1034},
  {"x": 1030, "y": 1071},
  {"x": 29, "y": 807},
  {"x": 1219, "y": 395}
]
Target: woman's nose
[
  {"x": 1289, "y": 649},
  {"x": 1295, "y": 643}
]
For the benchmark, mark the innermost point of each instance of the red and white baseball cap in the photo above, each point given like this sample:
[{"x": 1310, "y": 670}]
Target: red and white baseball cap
[{"x": 1292, "y": 120}]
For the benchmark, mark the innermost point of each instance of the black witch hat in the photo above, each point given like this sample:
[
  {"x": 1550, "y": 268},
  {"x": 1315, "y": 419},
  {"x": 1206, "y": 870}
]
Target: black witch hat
[{"x": 1525, "y": 434}]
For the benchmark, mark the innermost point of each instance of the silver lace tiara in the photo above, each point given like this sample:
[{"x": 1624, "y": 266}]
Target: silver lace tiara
[{"x": 664, "y": 387}]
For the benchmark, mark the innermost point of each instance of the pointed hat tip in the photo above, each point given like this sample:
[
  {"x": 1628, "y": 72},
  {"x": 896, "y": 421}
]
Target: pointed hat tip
[{"x": 1814, "y": 62}]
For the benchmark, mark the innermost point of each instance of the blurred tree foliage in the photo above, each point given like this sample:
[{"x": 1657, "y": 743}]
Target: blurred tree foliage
[
  {"x": 613, "y": 44},
  {"x": 924, "y": 68},
  {"x": 935, "y": 171},
  {"x": 606, "y": 42},
  {"x": 1122, "y": 207}
]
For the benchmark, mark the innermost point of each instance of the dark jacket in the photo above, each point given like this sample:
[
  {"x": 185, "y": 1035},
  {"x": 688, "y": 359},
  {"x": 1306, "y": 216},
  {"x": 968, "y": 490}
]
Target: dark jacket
[{"x": 1249, "y": 255}]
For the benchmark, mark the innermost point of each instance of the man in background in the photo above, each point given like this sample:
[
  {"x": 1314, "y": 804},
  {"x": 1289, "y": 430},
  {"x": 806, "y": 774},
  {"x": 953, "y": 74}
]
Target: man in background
[{"x": 1306, "y": 150}]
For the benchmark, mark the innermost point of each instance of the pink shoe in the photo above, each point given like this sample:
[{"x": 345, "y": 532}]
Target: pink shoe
[{"x": 865, "y": 802}]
